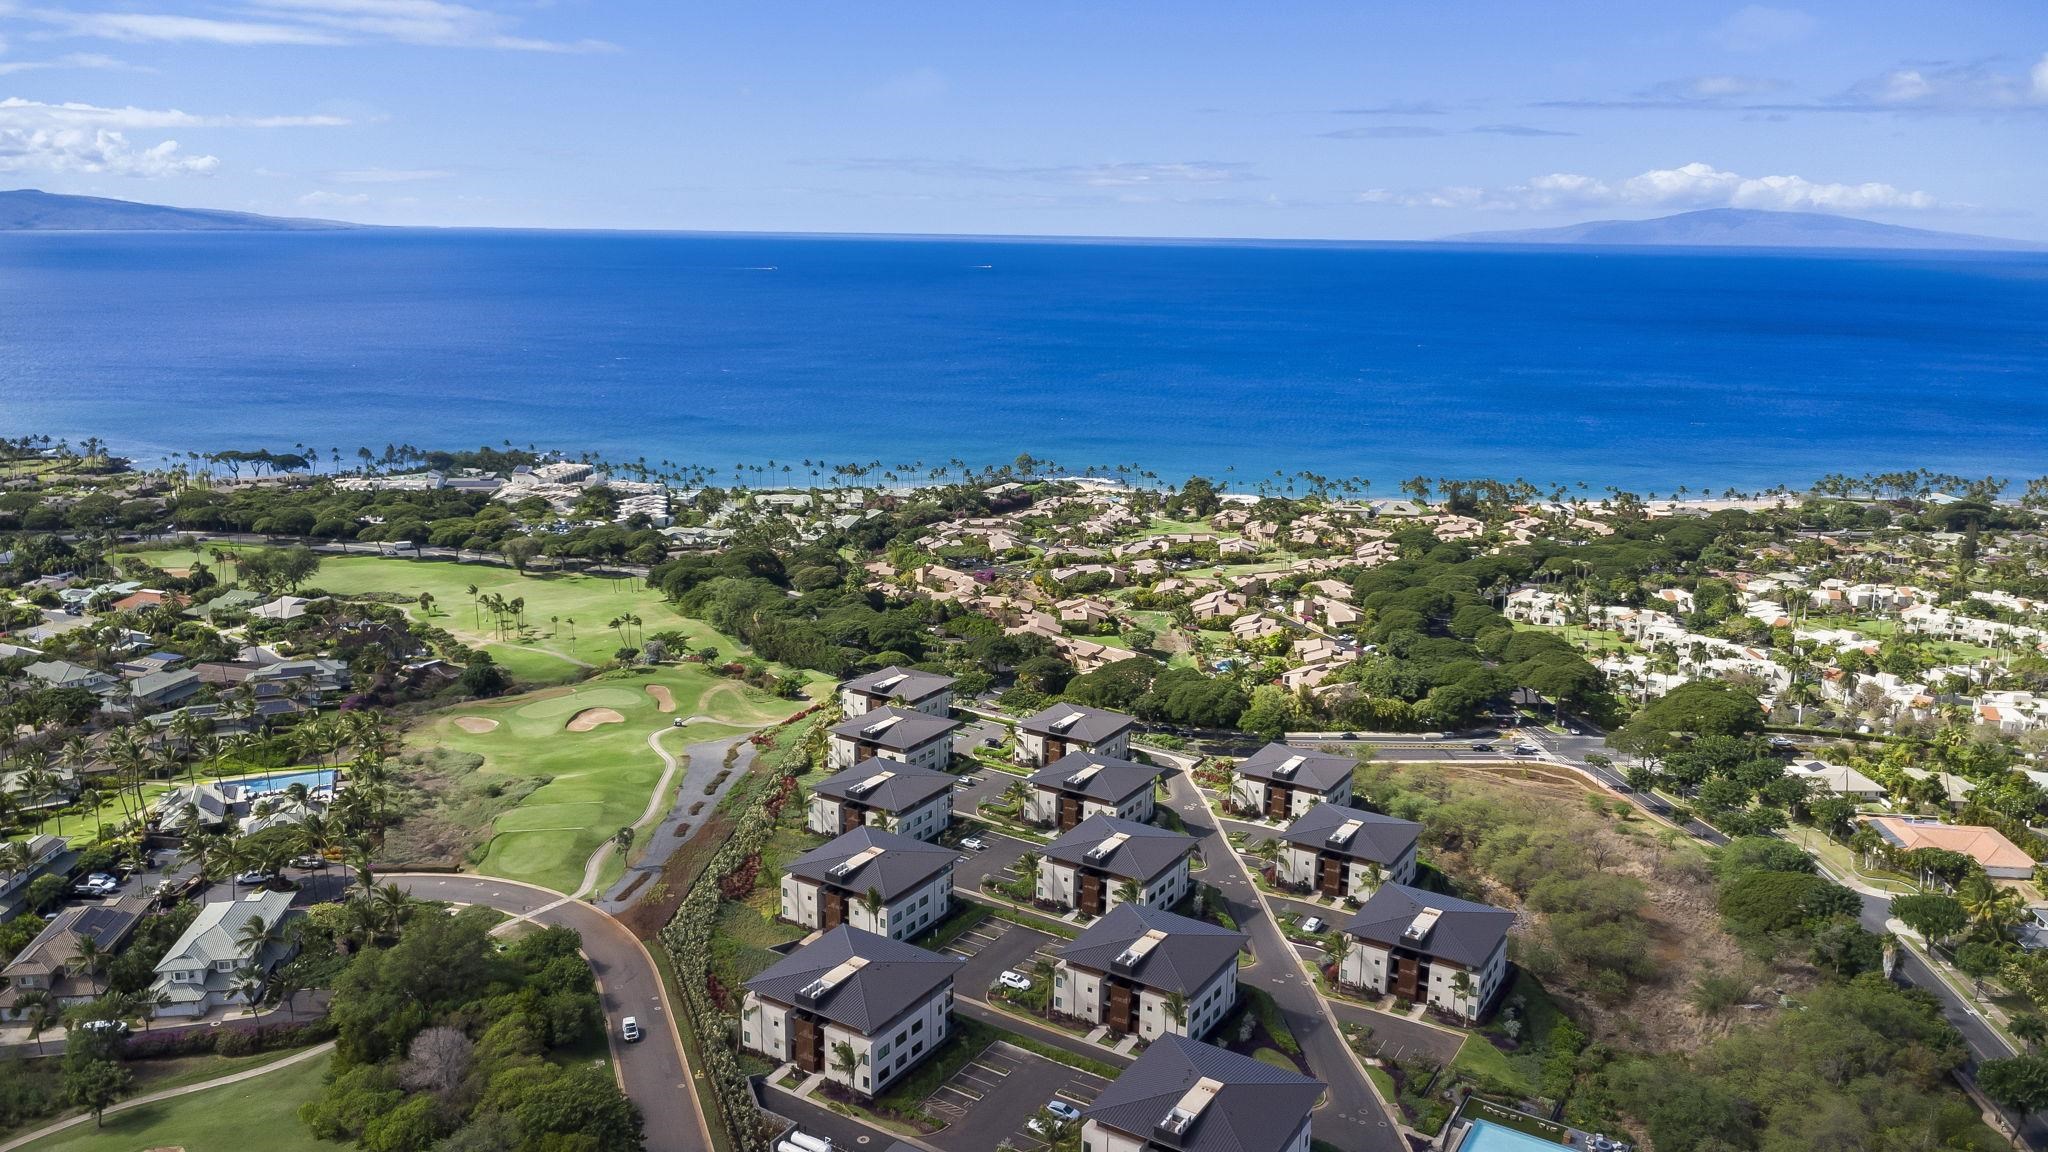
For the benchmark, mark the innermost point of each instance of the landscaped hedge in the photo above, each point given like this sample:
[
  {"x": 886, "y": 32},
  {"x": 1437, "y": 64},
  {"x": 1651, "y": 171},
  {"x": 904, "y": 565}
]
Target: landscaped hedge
[{"x": 688, "y": 940}]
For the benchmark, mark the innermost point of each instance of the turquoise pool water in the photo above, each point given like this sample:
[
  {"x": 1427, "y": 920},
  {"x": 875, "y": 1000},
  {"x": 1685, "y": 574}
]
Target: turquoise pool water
[
  {"x": 279, "y": 781},
  {"x": 1484, "y": 1137}
]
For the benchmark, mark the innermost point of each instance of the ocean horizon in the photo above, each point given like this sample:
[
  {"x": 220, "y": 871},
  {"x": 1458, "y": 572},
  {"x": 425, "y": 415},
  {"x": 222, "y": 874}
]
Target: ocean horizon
[{"x": 1636, "y": 368}]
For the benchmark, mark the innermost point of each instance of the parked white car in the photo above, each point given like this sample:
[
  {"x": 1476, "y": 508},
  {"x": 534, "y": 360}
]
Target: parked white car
[{"x": 1016, "y": 981}]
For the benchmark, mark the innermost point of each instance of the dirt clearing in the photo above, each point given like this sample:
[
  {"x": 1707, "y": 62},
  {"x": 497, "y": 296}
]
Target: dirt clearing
[{"x": 663, "y": 698}]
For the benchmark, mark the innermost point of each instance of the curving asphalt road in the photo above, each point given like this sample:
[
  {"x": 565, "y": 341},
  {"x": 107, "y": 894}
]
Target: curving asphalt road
[{"x": 652, "y": 1072}]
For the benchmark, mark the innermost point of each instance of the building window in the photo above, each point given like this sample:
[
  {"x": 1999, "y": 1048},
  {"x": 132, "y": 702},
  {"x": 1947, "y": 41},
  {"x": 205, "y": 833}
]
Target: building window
[{"x": 916, "y": 1027}]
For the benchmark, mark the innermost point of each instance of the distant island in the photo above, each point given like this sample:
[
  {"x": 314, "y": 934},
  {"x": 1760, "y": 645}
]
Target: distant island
[
  {"x": 1748, "y": 228},
  {"x": 30, "y": 210}
]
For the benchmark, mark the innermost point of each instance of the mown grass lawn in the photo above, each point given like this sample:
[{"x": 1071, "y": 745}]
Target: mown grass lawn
[
  {"x": 568, "y": 614},
  {"x": 260, "y": 1112},
  {"x": 601, "y": 779}
]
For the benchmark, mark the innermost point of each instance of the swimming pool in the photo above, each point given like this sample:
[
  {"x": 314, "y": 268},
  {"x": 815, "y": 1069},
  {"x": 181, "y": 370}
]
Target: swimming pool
[
  {"x": 279, "y": 781},
  {"x": 1484, "y": 1137}
]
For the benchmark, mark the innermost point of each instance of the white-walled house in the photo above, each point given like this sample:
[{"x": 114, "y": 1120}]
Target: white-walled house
[
  {"x": 1280, "y": 783},
  {"x": 1186, "y": 1096},
  {"x": 830, "y": 885},
  {"x": 1338, "y": 851},
  {"x": 1126, "y": 968},
  {"x": 888, "y": 1002},
  {"x": 1418, "y": 944},
  {"x": 1085, "y": 867},
  {"x": 1064, "y": 728},
  {"x": 893, "y": 734},
  {"x": 198, "y": 972},
  {"x": 1087, "y": 784},
  {"x": 905, "y": 688},
  {"x": 881, "y": 793},
  {"x": 1839, "y": 779}
]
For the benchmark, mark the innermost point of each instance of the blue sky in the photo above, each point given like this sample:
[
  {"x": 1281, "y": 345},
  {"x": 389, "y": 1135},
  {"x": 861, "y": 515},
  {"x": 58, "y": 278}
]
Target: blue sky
[{"x": 1389, "y": 119}]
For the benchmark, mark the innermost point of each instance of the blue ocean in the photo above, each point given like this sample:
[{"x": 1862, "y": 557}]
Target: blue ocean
[{"x": 1642, "y": 369}]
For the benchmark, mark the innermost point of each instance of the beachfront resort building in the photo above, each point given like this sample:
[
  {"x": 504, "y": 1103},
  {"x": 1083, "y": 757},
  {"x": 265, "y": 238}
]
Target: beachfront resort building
[
  {"x": 1064, "y": 729},
  {"x": 1428, "y": 948},
  {"x": 872, "y": 879},
  {"x": 1186, "y": 1096},
  {"x": 915, "y": 739},
  {"x": 1346, "y": 852},
  {"x": 1103, "y": 862},
  {"x": 1280, "y": 783},
  {"x": 1087, "y": 784},
  {"x": 906, "y": 689},
  {"x": 883, "y": 794},
  {"x": 849, "y": 993},
  {"x": 1150, "y": 972}
]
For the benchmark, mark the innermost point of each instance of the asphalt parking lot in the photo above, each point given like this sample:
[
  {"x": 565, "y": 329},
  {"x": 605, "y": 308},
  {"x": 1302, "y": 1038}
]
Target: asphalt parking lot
[
  {"x": 993, "y": 1097},
  {"x": 993, "y": 946},
  {"x": 976, "y": 735},
  {"x": 999, "y": 858},
  {"x": 978, "y": 784}
]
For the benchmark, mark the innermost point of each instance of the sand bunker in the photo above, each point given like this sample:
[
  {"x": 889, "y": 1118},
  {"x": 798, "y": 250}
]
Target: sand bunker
[
  {"x": 663, "y": 698},
  {"x": 475, "y": 725},
  {"x": 590, "y": 718}
]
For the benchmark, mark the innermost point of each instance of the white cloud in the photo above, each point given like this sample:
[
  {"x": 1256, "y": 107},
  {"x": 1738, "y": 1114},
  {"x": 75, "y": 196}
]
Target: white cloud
[
  {"x": 2040, "y": 76},
  {"x": 79, "y": 60},
  {"x": 19, "y": 113},
  {"x": 94, "y": 151},
  {"x": 1686, "y": 187},
  {"x": 142, "y": 27},
  {"x": 388, "y": 175},
  {"x": 1110, "y": 175},
  {"x": 1758, "y": 28},
  {"x": 325, "y": 199},
  {"x": 435, "y": 23}
]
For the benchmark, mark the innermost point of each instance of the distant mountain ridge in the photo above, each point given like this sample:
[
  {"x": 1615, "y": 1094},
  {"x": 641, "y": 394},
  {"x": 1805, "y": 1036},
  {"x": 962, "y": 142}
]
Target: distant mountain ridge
[
  {"x": 1749, "y": 228},
  {"x": 29, "y": 210}
]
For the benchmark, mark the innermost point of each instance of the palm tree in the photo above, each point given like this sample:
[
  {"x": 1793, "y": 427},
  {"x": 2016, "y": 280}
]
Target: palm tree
[
  {"x": 1177, "y": 1007},
  {"x": 1991, "y": 908},
  {"x": 2029, "y": 1028},
  {"x": 1127, "y": 892},
  {"x": 256, "y": 935},
  {"x": 90, "y": 957},
  {"x": 871, "y": 900},
  {"x": 42, "y": 1012},
  {"x": 247, "y": 983},
  {"x": 1461, "y": 987},
  {"x": 844, "y": 1061}
]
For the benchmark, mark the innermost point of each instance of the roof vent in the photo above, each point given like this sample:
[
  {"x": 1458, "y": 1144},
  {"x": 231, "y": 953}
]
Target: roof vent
[
  {"x": 1140, "y": 948},
  {"x": 1344, "y": 833},
  {"x": 1419, "y": 928},
  {"x": 817, "y": 989},
  {"x": 1106, "y": 849},
  {"x": 1081, "y": 778},
  {"x": 871, "y": 783},
  {"x": 881, "y": 726},
  {"x": 1065, "y": 722},
  {"x": 1286, "y": 768},
  {"x": 1172, "y": 1129},
  {"x": 855, "y": 862},
  {"x": 889, "y": 684}
]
